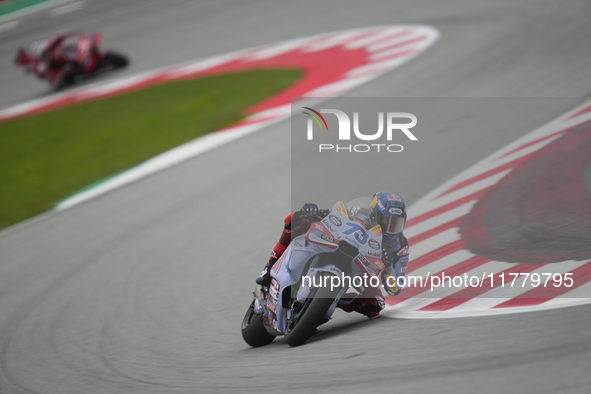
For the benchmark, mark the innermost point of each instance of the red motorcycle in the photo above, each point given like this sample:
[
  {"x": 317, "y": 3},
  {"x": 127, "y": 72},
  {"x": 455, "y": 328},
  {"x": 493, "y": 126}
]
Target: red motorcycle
[{"x": 68, "y": 58}]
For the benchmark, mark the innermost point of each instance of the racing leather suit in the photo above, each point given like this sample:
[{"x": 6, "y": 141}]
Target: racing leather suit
[{"x": 43, "y": 60}]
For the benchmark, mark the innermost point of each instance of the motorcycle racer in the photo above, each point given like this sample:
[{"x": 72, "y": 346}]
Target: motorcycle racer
[
  {"x": 43, "y": 58},
  {"x": 386, "y": 210},
  {"x": 68, "y": 58}
]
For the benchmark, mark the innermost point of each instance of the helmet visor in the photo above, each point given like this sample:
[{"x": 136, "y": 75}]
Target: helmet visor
[{"x": 392, "y": 225}]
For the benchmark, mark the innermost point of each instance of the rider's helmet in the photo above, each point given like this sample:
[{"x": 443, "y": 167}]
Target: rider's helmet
[
  {"x": 38, "y": 47},
  {"x": 388, "y": 210}
]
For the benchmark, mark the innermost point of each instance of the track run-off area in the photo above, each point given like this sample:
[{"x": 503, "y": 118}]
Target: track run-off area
[{"x": 440, "y": 247}]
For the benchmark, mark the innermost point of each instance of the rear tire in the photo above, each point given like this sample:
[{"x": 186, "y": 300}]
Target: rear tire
[
  {"x": 115, "y": 60},
  {"x": 63, "y": 82},
  {"x": 253, "y": 329},
  {"x": 312, "y": 316}
]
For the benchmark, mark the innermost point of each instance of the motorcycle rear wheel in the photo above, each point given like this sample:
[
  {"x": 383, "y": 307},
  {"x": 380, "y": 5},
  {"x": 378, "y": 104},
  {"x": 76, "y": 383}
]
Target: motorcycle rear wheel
[
  {"x": 63, "y": 81},
  {"x": 253, "y": 330},
  {"x": 115, "y": 60},
  {"x": 310, "y": 316}
]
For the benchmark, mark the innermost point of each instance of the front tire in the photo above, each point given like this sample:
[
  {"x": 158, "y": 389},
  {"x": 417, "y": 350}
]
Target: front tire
[
  {"x": 310, "y": 316},
  {"x": 253, "y": 330}
]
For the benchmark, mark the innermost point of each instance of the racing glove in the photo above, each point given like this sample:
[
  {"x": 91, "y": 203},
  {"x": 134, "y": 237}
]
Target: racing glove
[
  {"x": 387, "y": 257},
  {"x": 389, "y": 280},
  {"x": 309, "y": 210}
]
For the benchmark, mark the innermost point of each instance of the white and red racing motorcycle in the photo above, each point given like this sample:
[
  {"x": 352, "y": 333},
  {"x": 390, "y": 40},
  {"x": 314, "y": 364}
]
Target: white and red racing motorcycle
[{"x": 326, "y": 267}]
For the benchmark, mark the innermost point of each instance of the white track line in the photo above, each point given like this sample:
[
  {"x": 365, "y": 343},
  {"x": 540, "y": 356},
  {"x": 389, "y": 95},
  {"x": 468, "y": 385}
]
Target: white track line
[
  {"x": 384, "y": 45},
  {"x": 277, "y": 50},
  {"x": 449, "y": 290},
  {"x": 66, "y": 9},
  {"x": 332, "y": 41},
  {"x": 514, "y": 289},
  {"x": 483, "y": 165},
  {"x": 9, "y": 25},
  {"x": 457, "y": 194},
  {"x": 441, "y": 264},
  {"x": 438, "y": 220},
  {"x": 19, "y": 14},
  {"x": 435, "y": 242},
  {"x": 367, "y": 41},
  {"x": 580, "y": 292}
]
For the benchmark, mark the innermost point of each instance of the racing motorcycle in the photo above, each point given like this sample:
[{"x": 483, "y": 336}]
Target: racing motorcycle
[
  {"x": 301, "y": 296},
  {"x": 68, "y": 58}
]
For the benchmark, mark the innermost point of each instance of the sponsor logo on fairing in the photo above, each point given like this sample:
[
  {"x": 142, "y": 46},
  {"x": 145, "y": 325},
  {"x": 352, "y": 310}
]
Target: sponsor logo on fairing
[
  {"x": 372, "y": 253},
  {"x": 403, "y": 251},
  {"x": 336, "y": 220},
  {"x": 327, "y": 238},
  {"x": 341, "y": 209},
  {"x": 377, "y": 230},
  {"x": 374, "y": 244},
  {"x": 271, "y": 306},
  {"x": 333, "y": 269},
  {"x": 275, "y": 284},
  {"x": 328, "y": 225},
  {"x": 364, "y": 261},
  {"x": 274, "y": 290}
]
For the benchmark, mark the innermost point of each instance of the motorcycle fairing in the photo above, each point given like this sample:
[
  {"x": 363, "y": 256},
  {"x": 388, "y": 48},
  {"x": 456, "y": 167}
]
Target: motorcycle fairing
[
  {"x": 323, "y": 237},
  {"x": 320, "y": 235}
]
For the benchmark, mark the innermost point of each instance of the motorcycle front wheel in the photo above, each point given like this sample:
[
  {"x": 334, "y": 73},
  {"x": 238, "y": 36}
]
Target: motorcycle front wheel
[
  {"x": 306, "y": 317},
  {"x": 253, "y": 330}
]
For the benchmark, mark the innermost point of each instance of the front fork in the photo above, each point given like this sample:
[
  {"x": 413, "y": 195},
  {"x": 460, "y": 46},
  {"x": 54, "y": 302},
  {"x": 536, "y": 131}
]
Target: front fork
[
  {"x": 260, "y": 308},
  {"x": 305, "y": 290}
]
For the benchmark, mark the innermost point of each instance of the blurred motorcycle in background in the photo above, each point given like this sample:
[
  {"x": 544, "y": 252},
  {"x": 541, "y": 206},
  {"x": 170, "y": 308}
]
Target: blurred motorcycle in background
[
  {"x": 67, "y": 58},
  {"x": 308, "y": 281}
]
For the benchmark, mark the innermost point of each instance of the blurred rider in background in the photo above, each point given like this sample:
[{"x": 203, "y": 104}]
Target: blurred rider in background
[
  {"x": 386, "y": 210},
  {"x": 44, "y": 58}
]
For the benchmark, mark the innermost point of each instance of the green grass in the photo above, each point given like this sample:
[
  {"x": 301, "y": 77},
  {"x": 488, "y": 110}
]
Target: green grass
[{"x": 47, "y": 157}]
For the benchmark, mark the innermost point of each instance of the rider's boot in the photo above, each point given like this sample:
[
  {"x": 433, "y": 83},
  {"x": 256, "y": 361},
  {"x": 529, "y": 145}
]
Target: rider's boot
[
  {"x": 370, "y": 303},
  {"x": 264, "y": 279},
  {"x": 370, "y": 307}
]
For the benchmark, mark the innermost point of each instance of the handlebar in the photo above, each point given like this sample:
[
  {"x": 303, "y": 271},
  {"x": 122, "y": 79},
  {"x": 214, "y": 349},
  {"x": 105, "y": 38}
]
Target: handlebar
[{"x": 322, "y": 213}]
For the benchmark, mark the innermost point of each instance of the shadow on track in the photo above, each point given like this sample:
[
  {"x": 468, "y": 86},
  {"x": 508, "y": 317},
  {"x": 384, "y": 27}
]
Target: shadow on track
[{"x": 330, "y": 331}]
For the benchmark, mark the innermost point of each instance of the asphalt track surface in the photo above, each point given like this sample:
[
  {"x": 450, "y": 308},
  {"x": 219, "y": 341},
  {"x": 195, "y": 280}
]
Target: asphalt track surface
[{"x": 143, "y": 290}]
